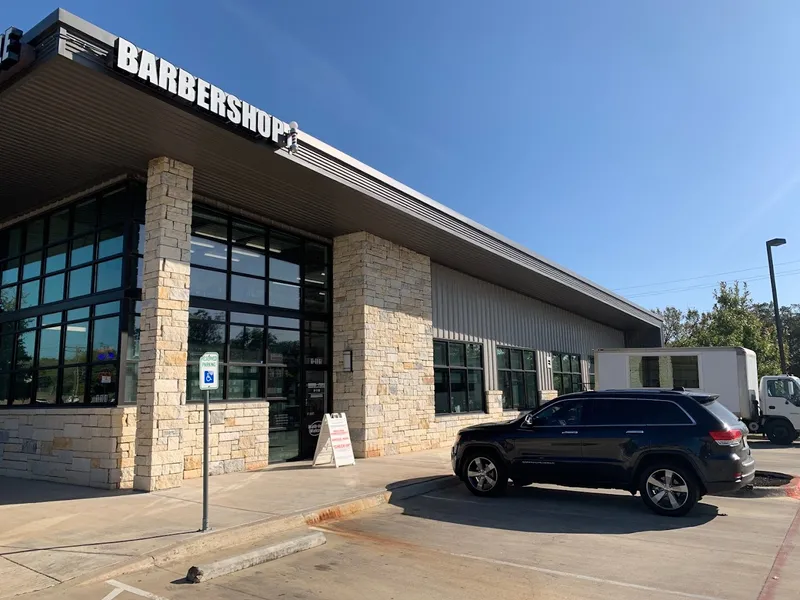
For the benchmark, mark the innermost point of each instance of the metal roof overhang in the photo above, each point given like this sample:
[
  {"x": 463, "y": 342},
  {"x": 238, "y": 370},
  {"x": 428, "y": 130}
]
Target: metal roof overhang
[{"x": 68, "y": 121}]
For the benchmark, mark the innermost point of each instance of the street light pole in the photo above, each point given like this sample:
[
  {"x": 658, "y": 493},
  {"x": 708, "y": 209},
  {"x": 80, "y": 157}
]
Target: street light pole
[{"x": 770, "y": 245}]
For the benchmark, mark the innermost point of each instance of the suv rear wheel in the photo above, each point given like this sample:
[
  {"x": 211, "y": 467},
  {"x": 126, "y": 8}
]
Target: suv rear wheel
[
  {"x": 669, "y": 489},
  {"x": 485, "y": 474}
]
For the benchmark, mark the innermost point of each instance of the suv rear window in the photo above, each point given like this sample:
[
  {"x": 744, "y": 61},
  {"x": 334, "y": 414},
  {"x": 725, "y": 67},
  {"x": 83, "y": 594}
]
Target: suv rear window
[{"x": 722, "y": 413}]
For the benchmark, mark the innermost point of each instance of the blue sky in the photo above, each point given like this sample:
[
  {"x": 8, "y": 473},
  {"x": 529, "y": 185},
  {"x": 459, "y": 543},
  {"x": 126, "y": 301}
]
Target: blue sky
[{"x": 635, "y": 143}]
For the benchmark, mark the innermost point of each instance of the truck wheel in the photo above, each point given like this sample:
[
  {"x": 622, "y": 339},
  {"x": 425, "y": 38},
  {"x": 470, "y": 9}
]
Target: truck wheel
[
  {"x": 669, "y": 489},
  {"x": 780, "y": 432}
]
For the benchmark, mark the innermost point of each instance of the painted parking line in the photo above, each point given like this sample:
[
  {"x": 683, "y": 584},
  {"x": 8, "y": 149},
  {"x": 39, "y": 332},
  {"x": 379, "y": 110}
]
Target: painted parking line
[
  {"x": 120, "y": 587},
  {"x": 634, "y": 586}
]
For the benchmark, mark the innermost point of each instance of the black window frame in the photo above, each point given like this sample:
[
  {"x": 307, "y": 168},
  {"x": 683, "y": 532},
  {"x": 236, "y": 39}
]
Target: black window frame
[
  {"x": 113, "y": 209},
  {"x": 466, "y": 369},
  {"x": 505, "y": 375},
  {"x": 304, "y": 317},
  {"x": 572, "y": 374}
]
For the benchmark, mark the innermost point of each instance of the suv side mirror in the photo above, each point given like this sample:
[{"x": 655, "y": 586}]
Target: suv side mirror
[{"x": 529, "y": 420}]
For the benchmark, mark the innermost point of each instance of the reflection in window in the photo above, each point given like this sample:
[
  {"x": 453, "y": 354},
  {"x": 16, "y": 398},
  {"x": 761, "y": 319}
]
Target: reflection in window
[
  {"x": 53, "y": 289},
  {"x": 82, "y": 250},
  {"x": 111, "y": 242},
  {"x": 59, "y": 226},
  {"x": 109, "y": 275},
  {"x": 76, "y": 357},
  {"x": 284, "y": 295},
  {"x": 104, "y": 384},
  {"x": 208, "y": 284},
  {"x": 32, "y": 267},
  {"x": 245, "y": 382},
  {"x": 516, "y": 374},
  {"x": 76, "y": 342},
  {"x": 47, "y": 385},
  {"x": 458, "y": 384},
  {"x": 29, "y": 294},
  {"x": 247, "y": 289},
  {"x": 206, "y": 333},
  {"x": 567, "y": 373},
  {"x": 80, "y": 282},
  {"x": 247, "y": 344},
  {"x": 49, "y": 346}
]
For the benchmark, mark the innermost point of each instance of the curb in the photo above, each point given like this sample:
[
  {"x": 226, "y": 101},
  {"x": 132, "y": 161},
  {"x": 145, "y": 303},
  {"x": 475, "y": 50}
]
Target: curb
[
  {"x": 200, "y": 573},
  {"x": 248, "y": 533},
  {"x": 790, "y": 490}
]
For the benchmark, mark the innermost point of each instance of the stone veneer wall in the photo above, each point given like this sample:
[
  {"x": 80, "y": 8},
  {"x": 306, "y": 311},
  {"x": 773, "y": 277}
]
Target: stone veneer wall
[
  {"x": 161, "y": 394},
  {"x": 382, "y": 313},
  {"x": 238, "y": 438},
  {"x": 86, "y": 446}
]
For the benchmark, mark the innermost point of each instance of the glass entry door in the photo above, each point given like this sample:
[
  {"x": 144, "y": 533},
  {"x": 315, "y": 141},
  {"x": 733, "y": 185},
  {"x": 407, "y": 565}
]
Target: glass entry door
[{"x": 297, "y": 386}]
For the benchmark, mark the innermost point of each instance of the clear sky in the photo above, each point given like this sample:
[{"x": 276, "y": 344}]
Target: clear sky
[{"x": 633, "y": 142}]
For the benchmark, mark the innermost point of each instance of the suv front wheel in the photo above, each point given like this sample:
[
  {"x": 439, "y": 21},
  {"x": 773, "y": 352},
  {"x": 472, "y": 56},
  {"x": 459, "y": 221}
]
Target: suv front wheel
[
  {"x": 669, "y": 489},
  {"x": 485, "y": 474}
]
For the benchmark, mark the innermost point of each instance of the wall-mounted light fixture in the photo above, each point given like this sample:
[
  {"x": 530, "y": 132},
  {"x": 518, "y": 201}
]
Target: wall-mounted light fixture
[{"x": 348, "y": 361}]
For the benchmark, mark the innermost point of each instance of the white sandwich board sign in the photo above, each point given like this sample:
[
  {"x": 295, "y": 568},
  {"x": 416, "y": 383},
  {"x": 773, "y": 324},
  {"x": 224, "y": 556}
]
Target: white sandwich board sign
[{"x": 334, "y": 445}]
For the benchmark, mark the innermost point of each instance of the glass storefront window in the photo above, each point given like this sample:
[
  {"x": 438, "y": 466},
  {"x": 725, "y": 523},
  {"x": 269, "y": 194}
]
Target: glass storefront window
[
  {"x": 82, "y": 250},
  {"x": 10, "y": 272},
  {"x": 58, "y": 226},
  {"x": 53, "y": 289},
  {"x": 208, "y": 284},
  {"x": 54, "y": 355},
  {"x": 109, "y": 275},
  {"x": 56, "y": 258},
  {"x": 284, "y": 295},
  {"x": 206, "y": 334},
  {"x": 29, "y": 294},
  {"x": 32, "y": 265},
  {"x": 247, "y": 289}
]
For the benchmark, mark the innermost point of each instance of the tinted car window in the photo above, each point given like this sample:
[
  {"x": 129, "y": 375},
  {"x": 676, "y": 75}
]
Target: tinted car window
[
  {"x": 666, "y": 413},
  {"x": 562, "y": 414},
  {"x": 723, "y": 414},
  {"x": 613, "y": 411}
]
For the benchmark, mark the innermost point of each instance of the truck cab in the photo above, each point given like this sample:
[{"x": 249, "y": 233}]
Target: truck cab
[{"x": 780, "y": 408}]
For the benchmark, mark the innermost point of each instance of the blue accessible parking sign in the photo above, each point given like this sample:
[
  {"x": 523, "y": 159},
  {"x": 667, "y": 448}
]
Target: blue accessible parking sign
[{"x": 209, "y": 371}]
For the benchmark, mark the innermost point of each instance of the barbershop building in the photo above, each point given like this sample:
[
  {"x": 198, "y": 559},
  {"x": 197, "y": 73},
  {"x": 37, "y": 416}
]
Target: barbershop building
[{"x": 148, "y": 216}]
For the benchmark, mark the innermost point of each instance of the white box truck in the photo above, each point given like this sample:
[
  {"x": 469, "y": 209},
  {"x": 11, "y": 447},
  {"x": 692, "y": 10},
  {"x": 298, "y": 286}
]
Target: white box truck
[{"x": 771, "y": 406}]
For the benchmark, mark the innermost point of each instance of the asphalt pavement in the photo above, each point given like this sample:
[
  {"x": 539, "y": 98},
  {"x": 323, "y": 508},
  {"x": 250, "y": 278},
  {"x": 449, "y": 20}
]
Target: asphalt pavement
[{"x": 537, "y": 542}]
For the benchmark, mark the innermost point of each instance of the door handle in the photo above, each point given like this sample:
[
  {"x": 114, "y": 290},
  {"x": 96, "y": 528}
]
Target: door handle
[
  {"x": 569, "y": 432},
  {"x": 634, "y": 431}
]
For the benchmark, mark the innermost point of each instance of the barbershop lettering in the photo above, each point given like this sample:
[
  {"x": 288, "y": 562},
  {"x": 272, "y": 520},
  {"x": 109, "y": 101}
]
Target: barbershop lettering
[{"x": 176, "y": 82}]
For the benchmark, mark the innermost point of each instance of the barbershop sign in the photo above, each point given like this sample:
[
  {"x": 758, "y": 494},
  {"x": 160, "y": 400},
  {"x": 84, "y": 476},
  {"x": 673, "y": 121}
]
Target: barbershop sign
[{"x": 182, "y": 85}]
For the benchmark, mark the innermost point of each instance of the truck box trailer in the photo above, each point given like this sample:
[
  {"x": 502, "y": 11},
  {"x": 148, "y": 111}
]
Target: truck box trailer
[{"x": 771, "y": 406}]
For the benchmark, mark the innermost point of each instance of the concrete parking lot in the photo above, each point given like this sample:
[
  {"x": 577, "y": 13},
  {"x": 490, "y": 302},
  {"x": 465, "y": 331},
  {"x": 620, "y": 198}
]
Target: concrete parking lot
[{"x": 538, "y": 542}]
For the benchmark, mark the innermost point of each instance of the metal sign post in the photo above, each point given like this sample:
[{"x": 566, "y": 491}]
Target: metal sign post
[{"x": 209, "y": 380}]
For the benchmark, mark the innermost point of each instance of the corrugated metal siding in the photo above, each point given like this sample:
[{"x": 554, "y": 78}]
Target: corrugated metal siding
[{"x": 468, "y": 309}]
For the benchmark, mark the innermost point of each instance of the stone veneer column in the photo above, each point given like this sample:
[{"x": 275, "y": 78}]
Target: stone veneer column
[
  {"x": 382, "y": 313},
  {"x": 161, "y": 397}
]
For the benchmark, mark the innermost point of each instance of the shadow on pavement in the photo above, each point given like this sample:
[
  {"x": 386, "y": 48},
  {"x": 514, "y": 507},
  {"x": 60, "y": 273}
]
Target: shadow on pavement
[
  {"x": 548, "y": 510},
  {"x": 31, "y": 491},
  {"x": 765, "y": 444},
  {"x": 77, "y": 547}
]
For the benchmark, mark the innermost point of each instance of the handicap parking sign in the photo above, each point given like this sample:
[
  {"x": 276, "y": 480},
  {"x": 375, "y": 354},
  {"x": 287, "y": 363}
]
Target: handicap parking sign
[{"x": 209, "y": 371}]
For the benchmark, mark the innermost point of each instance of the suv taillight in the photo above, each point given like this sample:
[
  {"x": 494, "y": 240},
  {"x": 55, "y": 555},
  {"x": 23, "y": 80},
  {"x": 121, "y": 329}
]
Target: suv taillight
[{"x": 728, "y": 437}]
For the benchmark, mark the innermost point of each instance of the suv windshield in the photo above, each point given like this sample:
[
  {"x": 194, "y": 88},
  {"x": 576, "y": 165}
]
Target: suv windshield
[{"x": 723, "y": 414}]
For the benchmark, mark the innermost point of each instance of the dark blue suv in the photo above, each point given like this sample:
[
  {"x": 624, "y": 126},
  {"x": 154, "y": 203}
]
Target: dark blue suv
[{"x": 671, "y": 446}]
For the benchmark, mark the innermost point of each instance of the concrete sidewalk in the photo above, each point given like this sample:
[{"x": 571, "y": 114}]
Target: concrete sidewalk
[{"x": 52, "y": 533}]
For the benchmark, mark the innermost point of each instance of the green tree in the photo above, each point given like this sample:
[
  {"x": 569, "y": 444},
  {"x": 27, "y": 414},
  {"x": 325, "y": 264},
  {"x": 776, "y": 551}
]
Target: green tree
[{"x": 735, "y": 320}]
